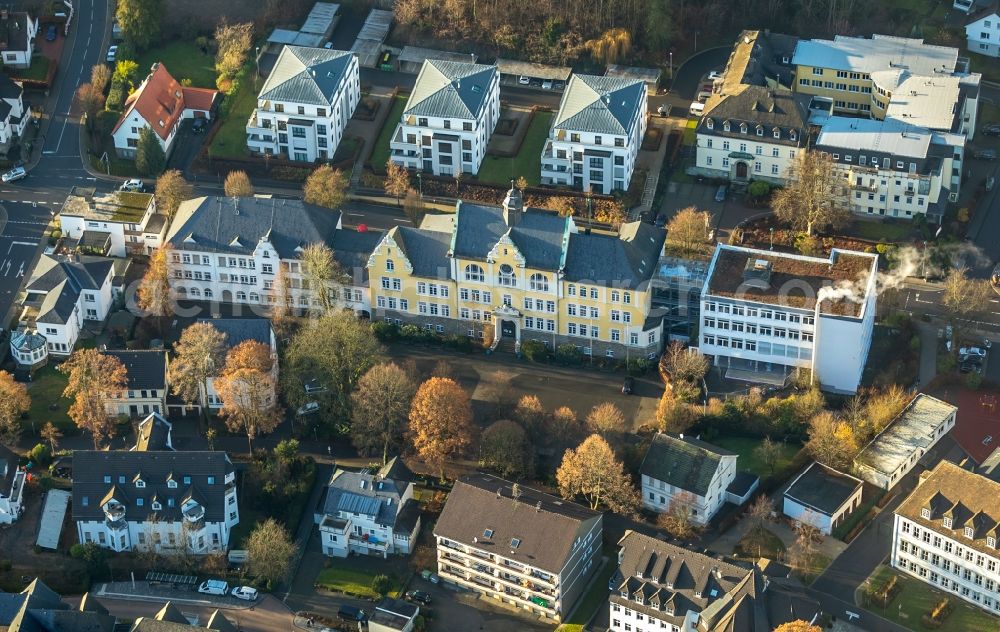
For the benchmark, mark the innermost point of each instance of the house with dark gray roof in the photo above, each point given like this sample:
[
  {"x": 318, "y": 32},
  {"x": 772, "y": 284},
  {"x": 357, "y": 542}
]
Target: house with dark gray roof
[
  {"x": 305, "y": 104},
  {"x": 63, "y": 296},
  {"x": 147, "y": 383},
  {"x": 596, "y": 134},
  {"x": 18, "y": 31},
  {"x": 662, "y": 586},
  {"x": 517, "y": 545},
  {"x": 393, "y": 615},
  {"x": 12, "y": 479},
  {"x": 155, "y": 497},
  {"x": 231, "y": 249},
  {"x": 14, "y": 115},
  {"x": 369, "y": 512},
  {"x": 683, "y": 473},
  {"x": 510, "y": 272},
  {"x": 448, "y": 119},
  {"x": 822, "y": 497}
]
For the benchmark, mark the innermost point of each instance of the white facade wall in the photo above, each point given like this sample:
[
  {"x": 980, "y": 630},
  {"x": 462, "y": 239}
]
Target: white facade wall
[
  {"x": 127, "y": 136},
  {"x": 10, "y": 499},
  {"x": 600, "y": 163},
  {"x": 343, "y": 542},
  {"x": 888, "y": 480},
  {"x": 657, "y": 495},
  {"x": 139, "y": 403},
  {"x": 842, "y": 345},
  {"x": 983, "y": 35},
  {"x": 22, "y": 58},
  {"x": 92, "y": 305},
  {"x": 768, "y": 334},
  {"x": 301, "y": 132},
  {"x": 823, "y": 522},
  {"x": 418, "y": 141},
  {"x": 770, "y": 161},
  {"x": 895, "y": 193},
  {"x": 9, "y": 129},
  {"x": 947, "y": 564},
  {"x": 123, "y": 235},
  {"x": 625, "y": 619}
]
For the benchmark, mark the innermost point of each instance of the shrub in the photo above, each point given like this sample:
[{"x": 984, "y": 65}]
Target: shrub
[
  {"x": 534, "y": 351},
  {"x": 758, "y": 189},
  {"x": 381, "y": 585},
  {"x": 116, "y": 96},
  {"x": 637, "y": 366},
  {"x": 974, "y": 381},
  {"x": 946, "y": 363},
  {"x": 568, "y": 354},
  {"x": 40, "y": 454},
  {"x": 411, "y": 332},
  {"x": 385, "y": 332}
]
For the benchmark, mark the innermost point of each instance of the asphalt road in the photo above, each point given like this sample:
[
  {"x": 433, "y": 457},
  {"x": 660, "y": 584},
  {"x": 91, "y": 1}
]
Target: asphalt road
[{"x": 269, "y": 615}]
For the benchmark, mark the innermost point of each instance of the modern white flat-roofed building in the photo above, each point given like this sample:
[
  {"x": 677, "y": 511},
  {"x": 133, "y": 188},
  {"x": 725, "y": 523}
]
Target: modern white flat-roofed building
[
  {"x": 305, "y": 104},
  {"x": 945, "y": 534},
  {"x": 895, "y": 169},
  {"x": 517, "y": 545},
  {"x": 448, "y": 119},
  {"x": 897, "y": 449},
  {"x": 114, "y": 224},
  {"x": 766, "y": 314},
  {"x": 982, "y": 32},
  {"x": 596, "y": 134},
  {"x": 822, "y": 497}
]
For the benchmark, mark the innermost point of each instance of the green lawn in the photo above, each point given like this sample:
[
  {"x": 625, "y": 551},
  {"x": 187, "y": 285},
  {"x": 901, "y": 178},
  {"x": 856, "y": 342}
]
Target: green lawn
[
  {"x": 231, "y": 139},
  {"x": 527, "y": 162},
  {"x": 46, "y": 390},
  {"x": 38, "y": 71},
  {"x": 883, "y": 232},
  {"x": 122, "y": 167},
  {"x": 184, "y": 60},
  {"x": 353, "y": 581},
  {"x": 819, "y": 564},
  {"x": 249, "y": 517},
  {"x": 986, "y": 65},
  {"x": 770, "y": 546},
  {"x": 745, "y": 447},
  {"x": 916, "y": 598},
  {"x": 380, "y": 153},
  {"x": 690, "y": 132},
  {"x": 595, "y": 597}
]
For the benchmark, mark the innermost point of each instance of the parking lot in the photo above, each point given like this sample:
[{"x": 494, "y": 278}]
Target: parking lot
[
  {"x": 725, "y": 215},
  {"x": 453, "y": 609}
]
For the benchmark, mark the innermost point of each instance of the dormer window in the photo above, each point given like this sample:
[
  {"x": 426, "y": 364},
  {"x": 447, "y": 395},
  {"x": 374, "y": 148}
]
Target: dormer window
[
  {"x": 947, "y": 522},
  {"x": 140, "y": 483},
  {"x": 697, "y": 594},
  {"x": 638, "y": 598},
  {"x": 760, "y": 130},
  {"x": 743, "y": 128},
  {"x": 792, "y": 135},
  {"x": 970, "y": 532},
  {"x": 777, "y": 133},
  {"x": 991, "y": 542},
  {"x": 625, "y": 594},
  {"x": 725, "y": 126},
  {"x": 669, "y": 609},
  {"x": 925, "y": 513},
  {"x": 172, "y": 484},
  {"x": 710, "y": 124},
  {"x": 156, "y": 506}
]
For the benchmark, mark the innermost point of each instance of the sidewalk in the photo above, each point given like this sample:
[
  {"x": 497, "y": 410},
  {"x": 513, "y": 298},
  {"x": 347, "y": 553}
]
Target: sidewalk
[
  {"x": 726, "y": 543},
  {"x": 144, "y": 592},
  {"x": 928, "y": 352}
]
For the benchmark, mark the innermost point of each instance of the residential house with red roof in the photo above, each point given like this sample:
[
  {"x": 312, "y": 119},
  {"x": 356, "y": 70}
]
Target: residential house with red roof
[{"x": 160, "y": 103}]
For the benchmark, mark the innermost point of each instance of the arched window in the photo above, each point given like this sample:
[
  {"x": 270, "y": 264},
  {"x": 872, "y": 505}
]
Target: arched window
[
  {"x": 181, "y": 289},
  {"x": 195, "y": 292},
  {"x": 208, "y": 293},
  {"x": 539, "y": 282},
  {"x": 474, "y": 272},
  {"x": 241, "y": 296},
  {"x": 792, "y": 134},
  {"x": 506, "y": 276}
]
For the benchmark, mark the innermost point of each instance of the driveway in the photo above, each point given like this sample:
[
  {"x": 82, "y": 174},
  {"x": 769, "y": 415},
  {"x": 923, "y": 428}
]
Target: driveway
[
  {"x": 726, "y": 215},
  {"x": 687, "y": 76},
  {"x": 454, "y": 609},
  {"x": 186, "y": 146}
]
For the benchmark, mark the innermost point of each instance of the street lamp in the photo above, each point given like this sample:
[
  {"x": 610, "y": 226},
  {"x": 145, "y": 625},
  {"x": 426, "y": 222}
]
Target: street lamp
[
  {"x": 671, "y": 65},
  {"x": 256, "y": 59},
  {"x": 772, "y": 238},
  {"x": 420, "y": 183}
]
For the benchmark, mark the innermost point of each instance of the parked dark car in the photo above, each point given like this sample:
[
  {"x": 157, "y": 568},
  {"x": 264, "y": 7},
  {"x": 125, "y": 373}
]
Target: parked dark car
[
  {"x": 419, "y": 596},
  {"x": 991, "y": 129},
  {"x": 985, "y": 154},
  {"x": 661, "y": 220},
  {"x": 350, "y": 613},
  {"x": 628, "y": 386},
  {"x": 199, "y": 125},
  {"x": 50, "y": 33}
]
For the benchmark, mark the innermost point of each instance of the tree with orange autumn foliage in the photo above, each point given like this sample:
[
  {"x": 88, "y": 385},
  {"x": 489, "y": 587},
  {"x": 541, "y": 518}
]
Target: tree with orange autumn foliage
[
  {"x": 440, "y": 421},
  {"x": 94, "y": 381},
  {"x": 14, "y": 402},
  {"x": 249, "y": 391},
  {"x": 153, "y": 296},
  {"x": 593, "y": 472},
  {"x": 831, "y": 440},
  {"x": 798, "y": 626}
]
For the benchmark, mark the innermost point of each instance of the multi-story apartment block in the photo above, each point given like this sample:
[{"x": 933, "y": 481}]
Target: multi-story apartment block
[
  {"x": 982, "y": 30},
  {"x": 900, "y": 446},
  {"x": 766, "y": 314},
  {"x": 514, "y": 274},
  {"x": 160, "y": 103},
  {"x": 115, "y": 224},
  {"x": 152, "y": 497},
  {"x": 369, "y": 513},
  {"x": 63, "y": 295},
  {"x": 689, "y": 471},
  {"x": 517, "y": 545},
  {"x": 752, "y": 134},
  {"x": 945, "y": 534},
  {"x": 230, "y": 250},
  {"x": 237, "y": 331},
  {"x": 448, "y": 119},
  {"x": 659, "y": 586},
  {"x": 596, "y": 134},
  {"x": 305, "y": 104},
  {"x": 892, "y": 168},
  {"x": 890, "y": 77},
  {"x": 147, "y": 383}
]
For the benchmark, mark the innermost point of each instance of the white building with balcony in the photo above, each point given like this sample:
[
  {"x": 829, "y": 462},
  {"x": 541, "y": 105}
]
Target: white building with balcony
[
  {"x": 115, "y": 224},
  {"x": 945, "y": 534},
  {"x": 12, "y": 478},
  {"x": 448, "y": 119},
  {"x": 596, "y": 134},
  {"x": 229, "y": 250},
  {"x": 305, "y": 104},
  {"x": 764, "y": 315},
  {"x": 152, "y": 497},
  {"x": 517, "y": 545},
  {"x": 894, "y": 169},
  {"x": 369, "y": 513}
]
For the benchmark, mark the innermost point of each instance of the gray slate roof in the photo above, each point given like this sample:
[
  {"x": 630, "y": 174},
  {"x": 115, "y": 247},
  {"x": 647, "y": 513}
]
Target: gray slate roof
[
  {"x": 822, "y": 489},
  {"x": 9, "y": 89},
  {"x": 602, "y": 105},
  {"x": 426, "y": 250},
  {"x": 540, "y": 236},
  {"x": 62, "y": 279},
  {"x": 368, "y": 494},
  {"x": 156, "y": 467},
  {"x": 546, "y": 532},
  {"x": 352, "y": 249},
  {"x": 450, "y": 89},
  {"x": 627, "y": 260},
  {"x": 38, "y": 608},
  {"x": 236, "y": 225},
  {"x": 307, "y": 75},
  {"x": 687, "y": 463},
  {"x": 154, "y": 434},
  {"x": 758, "y": 105},
  {"x": 239, "y": 330},
  {"x": 147, "y": 369}
]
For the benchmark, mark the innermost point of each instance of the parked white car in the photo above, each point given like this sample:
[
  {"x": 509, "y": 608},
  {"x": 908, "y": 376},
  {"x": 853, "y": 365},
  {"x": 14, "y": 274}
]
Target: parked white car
[
  {"x": 966, "y": 352},
  {"x": 245, "y": 593},
  {"x": 132, "y": 184},
  {"x": 214, "y": 587},
  {"x": 14, "y": 174}
]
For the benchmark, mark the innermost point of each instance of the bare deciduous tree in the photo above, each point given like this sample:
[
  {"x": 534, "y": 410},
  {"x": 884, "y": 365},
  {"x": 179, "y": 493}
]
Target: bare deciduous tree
[
  {"x": 687, "y": 231},
  {"x": 815, "y": 196}
]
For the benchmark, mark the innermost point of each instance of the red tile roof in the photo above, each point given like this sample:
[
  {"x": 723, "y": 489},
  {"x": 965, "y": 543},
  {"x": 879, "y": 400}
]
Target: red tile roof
[{"x": 161, "y": 101}]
